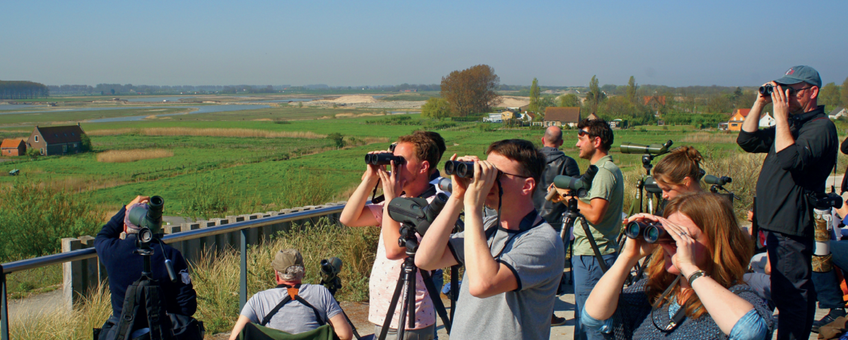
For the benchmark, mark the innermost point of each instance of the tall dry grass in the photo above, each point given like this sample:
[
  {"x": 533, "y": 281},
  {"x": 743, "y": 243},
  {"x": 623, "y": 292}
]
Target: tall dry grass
[
  {"x": 59, "y": 323},
  {"x": 207, "y": 132},
  {"x": 706, "y": 138},
  {"x": 124, "y": 156}
]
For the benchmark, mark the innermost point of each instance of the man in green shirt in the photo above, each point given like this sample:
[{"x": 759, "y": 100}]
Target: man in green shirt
[{"x": 602, "y": 208}]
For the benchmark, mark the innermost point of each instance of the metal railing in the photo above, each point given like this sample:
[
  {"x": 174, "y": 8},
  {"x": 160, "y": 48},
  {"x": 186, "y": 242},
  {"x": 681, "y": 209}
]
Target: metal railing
[{"x": 82, "y": 254}]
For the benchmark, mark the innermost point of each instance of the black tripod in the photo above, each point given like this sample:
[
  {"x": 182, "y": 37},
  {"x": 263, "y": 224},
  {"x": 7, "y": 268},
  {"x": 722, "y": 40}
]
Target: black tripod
[
  {"x": 406, "y": 287},
  {"x": 571, "y": 217}
]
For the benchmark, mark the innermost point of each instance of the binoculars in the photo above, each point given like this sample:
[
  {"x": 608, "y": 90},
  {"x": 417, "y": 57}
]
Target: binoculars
[
  {"x": 383, "y": 158},
  {"x": 460, "y": 169},
  {"x": 651, "y": 232}
]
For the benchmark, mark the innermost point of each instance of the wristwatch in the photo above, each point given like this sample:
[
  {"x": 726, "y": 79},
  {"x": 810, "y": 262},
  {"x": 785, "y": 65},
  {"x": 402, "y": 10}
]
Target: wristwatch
[{"x": 696, "y": 275}]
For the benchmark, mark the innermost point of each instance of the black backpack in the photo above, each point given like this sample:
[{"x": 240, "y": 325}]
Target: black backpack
[{"x": 142, "y": 308}]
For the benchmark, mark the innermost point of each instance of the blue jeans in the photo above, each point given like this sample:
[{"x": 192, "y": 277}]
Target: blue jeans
[
  {"x": 827, "y": 286},
  {"x": 586, "y": 273}
]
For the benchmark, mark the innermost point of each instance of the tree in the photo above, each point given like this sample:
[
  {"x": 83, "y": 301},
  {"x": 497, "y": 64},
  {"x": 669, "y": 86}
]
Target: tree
[
  {"x": 544, "y": 103},
  {"x": 829, "y": 95},
  {"x": 631, "y": 90},
  {"x": 845, "y": 92},
  {"x": 594, "y": 96},
  {"x": 337, "y": 139},
  {"x": 534, "y": 97},
  {"x": 471, "y": 90},
  {"x": 436, "y": 108},
  {"x": 33, "y": 153},
  {"x": 568, "y": 100},
  {"x": 85, "y": 143}
]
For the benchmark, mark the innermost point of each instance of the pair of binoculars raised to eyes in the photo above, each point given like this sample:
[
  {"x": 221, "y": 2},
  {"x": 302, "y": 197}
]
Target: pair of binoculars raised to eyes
[
  {"x": 460, "y": 169},
  {"x": 651, "y": 232},
  {"x": 383, "y": 158}
]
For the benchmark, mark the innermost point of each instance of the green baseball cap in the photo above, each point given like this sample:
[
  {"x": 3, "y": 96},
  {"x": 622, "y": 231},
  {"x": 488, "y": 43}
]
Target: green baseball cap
[{"x": 800, "y": 74}]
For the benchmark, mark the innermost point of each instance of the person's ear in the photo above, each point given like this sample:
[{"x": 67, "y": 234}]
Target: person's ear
[
  {"x": 814, "y": 92},
  {"x": 529, "y": 184},
  {"x": 687, "y": 182},
  {"x": 425, "y": 167}
]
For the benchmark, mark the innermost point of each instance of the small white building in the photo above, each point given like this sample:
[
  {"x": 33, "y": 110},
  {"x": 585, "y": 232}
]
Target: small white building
[
  {"x": 766, "y": 121},
  {"x": 838, "y": 112}
]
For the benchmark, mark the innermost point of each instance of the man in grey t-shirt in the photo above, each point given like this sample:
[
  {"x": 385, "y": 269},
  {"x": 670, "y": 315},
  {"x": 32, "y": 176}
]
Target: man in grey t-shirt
[
  {"x": 513, "y": 261},
  {"x": 294, "y": 317}
]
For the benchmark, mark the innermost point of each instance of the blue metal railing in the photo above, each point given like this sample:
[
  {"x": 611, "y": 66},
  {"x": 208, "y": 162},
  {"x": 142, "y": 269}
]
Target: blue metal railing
[{"x": 82, "y": 254}]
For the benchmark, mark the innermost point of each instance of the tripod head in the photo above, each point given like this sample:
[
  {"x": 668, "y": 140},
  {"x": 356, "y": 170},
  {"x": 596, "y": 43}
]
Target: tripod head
[
  {"x": 718, "y": 184},
  {"x": 415, "y": 215}
]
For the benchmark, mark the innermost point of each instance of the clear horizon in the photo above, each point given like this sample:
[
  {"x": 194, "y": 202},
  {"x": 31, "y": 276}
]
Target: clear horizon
[{"x": 371, "y": 43}]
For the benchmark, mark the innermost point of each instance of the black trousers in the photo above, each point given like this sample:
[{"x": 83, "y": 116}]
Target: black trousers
[{"x": 792, "y": 287}]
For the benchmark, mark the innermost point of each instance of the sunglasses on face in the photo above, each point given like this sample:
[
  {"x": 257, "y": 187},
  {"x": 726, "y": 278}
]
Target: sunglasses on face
[{"x": 581, "y": 133}]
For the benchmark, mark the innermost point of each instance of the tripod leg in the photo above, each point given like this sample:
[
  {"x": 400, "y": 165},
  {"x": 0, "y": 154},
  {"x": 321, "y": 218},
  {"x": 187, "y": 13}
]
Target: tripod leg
[
  {"x": 392, "y": 305},
  {"x": 437, "y": 302},
  {"x": 601, "y": 262}
]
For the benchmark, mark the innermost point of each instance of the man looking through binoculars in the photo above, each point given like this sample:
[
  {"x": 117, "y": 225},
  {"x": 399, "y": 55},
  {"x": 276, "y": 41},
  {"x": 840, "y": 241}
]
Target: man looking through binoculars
[
  {"x": 602, "y": 208},
  {"x": 513, "y": 261},
  {"x": 801, "y": 149},
  {"x": 421, "y": 152}
]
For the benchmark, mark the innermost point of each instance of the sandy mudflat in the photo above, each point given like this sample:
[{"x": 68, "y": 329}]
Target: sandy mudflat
[{"x": 514, "y": 101}]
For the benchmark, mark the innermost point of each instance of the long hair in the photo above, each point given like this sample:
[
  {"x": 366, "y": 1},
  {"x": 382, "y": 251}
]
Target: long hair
[
  {"x": 682, "y": 162},
  {"x": 728, "y": 247}
]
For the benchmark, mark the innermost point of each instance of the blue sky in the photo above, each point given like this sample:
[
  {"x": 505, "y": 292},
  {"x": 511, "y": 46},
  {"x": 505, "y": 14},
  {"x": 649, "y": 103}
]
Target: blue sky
[{"x": 340, "y": 43}]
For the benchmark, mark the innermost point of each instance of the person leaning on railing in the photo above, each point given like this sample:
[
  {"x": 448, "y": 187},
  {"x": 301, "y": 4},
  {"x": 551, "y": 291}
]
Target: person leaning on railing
[{"x": 694, "y": 287}]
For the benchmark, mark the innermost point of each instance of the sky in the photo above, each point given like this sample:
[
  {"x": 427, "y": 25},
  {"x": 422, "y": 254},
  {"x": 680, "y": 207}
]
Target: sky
[{"x": 354, "y": 43}]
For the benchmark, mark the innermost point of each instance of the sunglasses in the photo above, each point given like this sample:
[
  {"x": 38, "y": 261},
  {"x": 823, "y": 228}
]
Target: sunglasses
[{"x": 581, "y": 133}]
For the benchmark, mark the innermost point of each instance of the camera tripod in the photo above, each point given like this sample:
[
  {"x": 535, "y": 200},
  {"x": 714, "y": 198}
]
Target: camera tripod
[
  {"x": 406, "y": 288},
  {"x": 568, "y": 220}
]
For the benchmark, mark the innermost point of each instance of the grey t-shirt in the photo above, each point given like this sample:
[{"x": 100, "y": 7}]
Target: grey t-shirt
[
  {"x": 536, "y": 258},
  {"x": 294, "y": 317}
]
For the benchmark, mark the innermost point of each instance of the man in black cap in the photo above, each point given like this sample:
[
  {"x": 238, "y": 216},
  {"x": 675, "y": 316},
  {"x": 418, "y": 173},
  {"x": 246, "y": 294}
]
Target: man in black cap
[{"x": 801, "y": 150}]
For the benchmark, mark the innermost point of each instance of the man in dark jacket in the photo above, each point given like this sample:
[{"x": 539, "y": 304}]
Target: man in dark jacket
[
  {"x": 116, "y": 246},
  {"x": 801, "y": 150},
  {"x": 556, "y": 163}
]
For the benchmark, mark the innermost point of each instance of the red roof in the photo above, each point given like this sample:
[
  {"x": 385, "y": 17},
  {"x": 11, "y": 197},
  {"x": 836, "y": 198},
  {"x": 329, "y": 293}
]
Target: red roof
[
  {"x": 659, "y": 99},
  {"x": 11, "y": 143},
  {"x": 743, "y": 112}
]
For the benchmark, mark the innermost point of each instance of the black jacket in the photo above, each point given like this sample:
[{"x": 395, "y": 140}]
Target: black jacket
[
  {"x": 787, "y": 177},
  {"x": 557, "y": 163},
  {"x": 124, "y": 267}
]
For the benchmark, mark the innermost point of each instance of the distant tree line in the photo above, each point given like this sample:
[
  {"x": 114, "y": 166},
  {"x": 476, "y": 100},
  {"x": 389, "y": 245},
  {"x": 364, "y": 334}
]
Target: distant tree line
[{"x": 22, "y": 90}]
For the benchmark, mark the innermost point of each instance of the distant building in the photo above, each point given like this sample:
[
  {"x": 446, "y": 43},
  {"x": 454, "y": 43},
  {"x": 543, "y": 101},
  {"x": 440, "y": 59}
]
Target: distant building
[
  {"x": 493, "y": 118},
  {"x": 736, "y": 119},
  {"x": 56, "y": 140},
  {"x": 13, "y": 147},
  {"x": 562, "y": 116},
  {"x": 766, "y": 121},
  {"x": 838, "y": 112}
]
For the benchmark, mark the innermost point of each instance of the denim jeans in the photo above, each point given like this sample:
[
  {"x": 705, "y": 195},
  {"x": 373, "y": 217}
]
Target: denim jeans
[
  {"x": 827, "y": 285},
  {"x": 587, "y": 272}
]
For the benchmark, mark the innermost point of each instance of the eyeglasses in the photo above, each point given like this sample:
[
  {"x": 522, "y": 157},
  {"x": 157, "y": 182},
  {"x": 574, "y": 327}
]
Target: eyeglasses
[
  {"x": 581, "y": 133},
  {"x": 514, "y": 175},
  {"x": 793, "y": 91}
]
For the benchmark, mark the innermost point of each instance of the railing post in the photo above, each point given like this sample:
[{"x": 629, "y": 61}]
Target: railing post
[
  {"x": 243, "y": 270},
  {"x": 4, "y": 305}
]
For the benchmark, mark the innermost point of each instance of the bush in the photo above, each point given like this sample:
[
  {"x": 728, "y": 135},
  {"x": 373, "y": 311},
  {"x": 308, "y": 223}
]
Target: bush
[{"x": 35, "y": 217}]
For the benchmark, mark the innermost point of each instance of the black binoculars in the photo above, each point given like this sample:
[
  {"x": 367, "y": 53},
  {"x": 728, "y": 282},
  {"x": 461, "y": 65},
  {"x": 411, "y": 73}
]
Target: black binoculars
[
  {"x": 651, "y": 232},
  {"x": 767, "y": 90},
  {"x": 383, "y": 158},
  {"x": 460, "y": 169}
]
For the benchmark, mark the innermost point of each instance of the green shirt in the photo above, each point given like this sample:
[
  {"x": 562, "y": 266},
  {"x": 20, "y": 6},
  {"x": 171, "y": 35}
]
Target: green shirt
[{"x": 608, "y": 185}]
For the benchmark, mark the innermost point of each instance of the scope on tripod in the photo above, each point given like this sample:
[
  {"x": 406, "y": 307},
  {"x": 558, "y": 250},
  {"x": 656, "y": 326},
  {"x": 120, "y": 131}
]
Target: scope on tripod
[
  {"x": 824, "y": 201},
  {"x": 652, "y": 149},
  {"x": 331, "y": 267},
  {"x": 383, "y": 158},
  {"x": 720, "y": 181},
  {"x": 651, "y": 232},
  {"x": 579, "y": 186},
  {"x": 149, "y": 219},
  {"x": 416, "y": 212},
  {"x": 460, "y": 169},
  {"x": 651, "y": 185}
]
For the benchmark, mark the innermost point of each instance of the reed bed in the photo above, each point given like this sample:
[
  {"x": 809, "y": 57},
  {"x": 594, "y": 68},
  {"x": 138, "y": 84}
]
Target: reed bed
[
  {"x": 124, "y": 156},
  {"x": 207, "y": 132},
  {"x": 700, "y": 138}
]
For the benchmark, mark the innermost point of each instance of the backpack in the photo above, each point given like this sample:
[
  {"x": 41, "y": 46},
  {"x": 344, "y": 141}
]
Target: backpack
[
  {"x": 142, "y": 308},
  {"x": 554, "y": 166}
]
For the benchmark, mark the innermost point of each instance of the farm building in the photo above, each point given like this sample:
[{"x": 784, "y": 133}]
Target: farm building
[
  {"x": 562, "y": 116},
  {"x": 56, "y": 140},
  {"x": 13, "y": 147}
]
